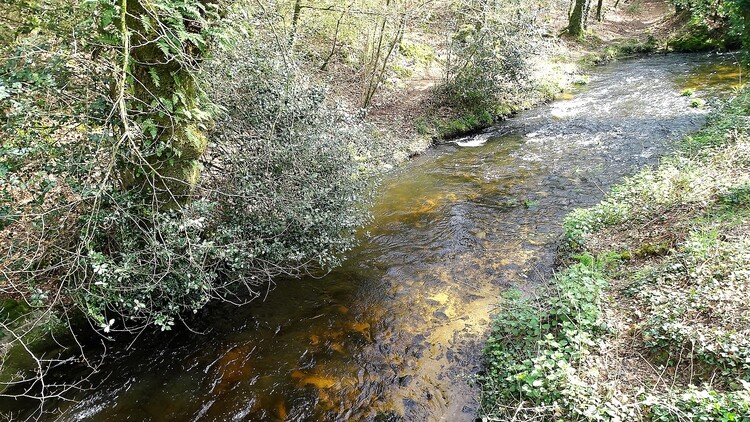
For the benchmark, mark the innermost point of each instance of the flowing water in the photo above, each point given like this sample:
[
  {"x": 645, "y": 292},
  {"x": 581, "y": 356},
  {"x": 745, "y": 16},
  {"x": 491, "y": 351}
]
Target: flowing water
[{"x": 396, "y": 333}]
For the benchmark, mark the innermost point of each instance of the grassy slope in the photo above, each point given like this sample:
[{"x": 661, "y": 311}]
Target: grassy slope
[{"x": 650, "y": 318}]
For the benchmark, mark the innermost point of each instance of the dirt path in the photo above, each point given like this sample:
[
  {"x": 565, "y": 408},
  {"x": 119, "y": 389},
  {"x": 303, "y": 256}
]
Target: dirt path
[
  {"x": 399, "y": 109},
  {"x": 636, "y": 19}
]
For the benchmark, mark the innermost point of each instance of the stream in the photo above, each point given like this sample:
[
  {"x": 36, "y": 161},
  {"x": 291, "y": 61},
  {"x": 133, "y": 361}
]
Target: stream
[{"x": 396, "y": 333}]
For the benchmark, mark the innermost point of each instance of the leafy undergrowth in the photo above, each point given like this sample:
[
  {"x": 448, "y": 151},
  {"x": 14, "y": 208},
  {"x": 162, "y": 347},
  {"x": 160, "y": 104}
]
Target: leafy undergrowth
[{"x": 650, "y": 320}]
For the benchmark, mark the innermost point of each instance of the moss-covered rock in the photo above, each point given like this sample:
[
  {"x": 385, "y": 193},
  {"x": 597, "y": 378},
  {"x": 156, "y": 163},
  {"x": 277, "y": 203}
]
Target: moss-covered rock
[
  {"x": 699, "y": 37},
  {"x": 38, "y": 330}
]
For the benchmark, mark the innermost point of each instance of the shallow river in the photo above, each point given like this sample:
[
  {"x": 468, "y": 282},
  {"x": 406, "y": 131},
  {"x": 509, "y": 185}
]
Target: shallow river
[{"x": 396, "y": 333}]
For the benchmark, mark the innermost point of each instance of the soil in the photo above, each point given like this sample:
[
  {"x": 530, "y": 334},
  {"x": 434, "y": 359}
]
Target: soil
[
  {"x": 637, "y": 19},
  {"x": 403, "y": 107}
]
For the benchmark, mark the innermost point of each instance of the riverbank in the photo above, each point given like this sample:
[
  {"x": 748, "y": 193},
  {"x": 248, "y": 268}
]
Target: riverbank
[{"x": 647, "y": 318}]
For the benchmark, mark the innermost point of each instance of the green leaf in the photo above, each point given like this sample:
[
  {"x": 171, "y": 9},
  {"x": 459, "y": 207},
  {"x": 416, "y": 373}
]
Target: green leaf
[
  {"x": 154, "y": 77},
  {"x": 106, "y": 18}
]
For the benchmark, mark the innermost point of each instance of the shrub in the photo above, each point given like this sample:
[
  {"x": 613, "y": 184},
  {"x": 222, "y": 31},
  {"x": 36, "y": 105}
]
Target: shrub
[
  {"x": 534, "y": 346},
  {"x": 713, "y": 25},
  {"x": 295, "y": 171},
  {"x": 285, "y": 187},
  {"x": 488, "y": 56}
]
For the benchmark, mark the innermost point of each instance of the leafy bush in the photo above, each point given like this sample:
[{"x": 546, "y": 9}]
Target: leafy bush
[
  {"x": 285, "y": 189},
  {"x": 534, "y": 346},
  {"x": 488, "y": 56},
  {"x": 713, "y": 25},
  {"x": 139, "y": 271},
  {"x": 286, "y": 184},
  {"x": 293, "y": 172}
]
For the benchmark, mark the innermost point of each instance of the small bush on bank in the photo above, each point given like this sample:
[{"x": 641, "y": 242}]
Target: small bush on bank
[
  {"x": 697, "y": 36},
  {"x": 712, "y": 25},
  {"x": 485, "y": 65},
  {"x": 488, "y": 64},
  {"x": 293, "y": 172}
]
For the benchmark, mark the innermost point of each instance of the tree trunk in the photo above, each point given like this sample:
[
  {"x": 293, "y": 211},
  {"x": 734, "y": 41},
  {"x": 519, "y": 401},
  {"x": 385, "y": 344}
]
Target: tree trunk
[
  {"x": 599, "y": 10},
  {"x": 376, "y": 59},
  {"x": 295, "y": 20},
  {"x": 575, "y": 27},
  {"x": 746, "y": 27},
  {"x": 335, "y": 37},
  {"x": 161, "y": 85},
  {"x": 379, "y": 77}
]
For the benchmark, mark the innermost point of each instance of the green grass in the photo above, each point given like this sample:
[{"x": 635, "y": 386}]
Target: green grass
[{"x": 469, "y": 120}]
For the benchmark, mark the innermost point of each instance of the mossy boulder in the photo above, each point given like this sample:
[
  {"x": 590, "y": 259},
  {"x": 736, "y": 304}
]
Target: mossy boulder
[
  {"x": 39, "y": 330},
  {"x": 699, "y": 37}
]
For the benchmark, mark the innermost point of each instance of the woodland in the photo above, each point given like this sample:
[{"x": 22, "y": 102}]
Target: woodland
[{"x": 158, "y": 156}]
